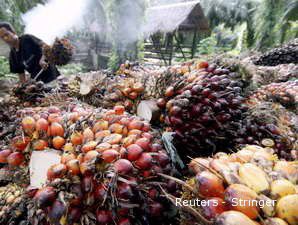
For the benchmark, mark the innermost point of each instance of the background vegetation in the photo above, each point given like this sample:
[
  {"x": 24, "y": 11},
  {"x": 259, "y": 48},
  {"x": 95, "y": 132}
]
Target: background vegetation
[{"x": 237, "y": 25}]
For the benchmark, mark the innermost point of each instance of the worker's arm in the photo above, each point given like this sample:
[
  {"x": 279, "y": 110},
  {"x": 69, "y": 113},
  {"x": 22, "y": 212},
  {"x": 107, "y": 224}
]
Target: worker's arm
[
  {"x": 43, "y": 63},
  {"x": 22, "y": 77}
]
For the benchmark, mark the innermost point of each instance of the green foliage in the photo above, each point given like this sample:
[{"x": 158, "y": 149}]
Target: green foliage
[
  {"x": 11, "y": 11},
  {"x": 72, "y": 68},
  {"x": 4, "y": 66}
]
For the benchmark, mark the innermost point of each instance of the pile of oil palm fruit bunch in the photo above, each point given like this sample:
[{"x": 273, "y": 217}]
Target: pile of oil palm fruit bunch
[
  {"x": 285, "y": 54},
  {"x": 250, "y": 186},
  {"x": 116, "y": 167},
  {"x": 109, "y": 165}
]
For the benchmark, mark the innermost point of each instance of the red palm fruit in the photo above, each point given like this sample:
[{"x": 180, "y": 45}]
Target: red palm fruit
[
  {"x": 135, "y": 132},
  {"x": 73, "y": 167},
  {"x": 100, "y": 192},
  {"x": 68, "y": 147},
  {"x": 56, "y": 211},
  {"x": 91, "y": 156},
  {"x": 129, "y": 140},
  {"x": 31, "y": 191},
  {"x": 155, "y": 209},
  {"x": 146, "y": 127},
  {"x": 110, "y": 155},
  {"x": 103, "y": 146},
  {"x": 123, "y": 166},
  {"x": 148, "y": 136},
  {"x": 89, "y": 146},
  {"x": 213, "y": 208},
  {"x": 124, "y": 121},
  {"x": 104, "y": 217},
  {"x": 45, "y": 196},
  {"x": 116, "y": 128},
  {"x": 170, "y": 91},
  {"x": 126, "y": 91},
  {"x": 42, "y": 125},
  {"x": 15, "y": 159},
  {"x": 54, "y": 109},
  {"x": 147, "y": 173},
  {"x": 58, "y": 142},
  {"x": 100, "y": 125},
  {"x": 56, "y": 129},
  {"x": 119, "y": 109},
  {"x": 198, "y": 165},
  {"x": 163, "y": 159},
  {"x": 76, "y": 138},
  {"x": 73, "y": 215},
  {"x": 144, "y": 161},
  {"x": 74, "y": 116},
  {"x": 128, "y": 104},
  {"x": 113, "y": 139},
  {"x": 67, "y": 156},
  {"x": 123, "y": 153},
  {"x": 56, "y": 171},
  {"x": 124, "y": 191},
  {"x": 133, "y": 95},
  {"x": 144, "y": 143},
  {"x": 236, "y": 193},
  {"x": 209, "y": 185},
  {"x": 134, "y": 151},
  {"x": 87, "y": 184},
  {"x": 54, "y": 118},
  {"x": 102, "y": 134},
  {"x": 4, "y": 154},
  {"x": 156, "y": 147},
  {"x": 76, "y": 189},
  {"x": 153, "y": 193},
  {"x": 88, "y": 135},
  {"x": 124, "y": 221},
  {"x": 28, "y": 124},
  {"x": 20, "y": 143},
  {"x": 135, "y": 125},
  {"x": 85, "y": 168},
  {"x": 40, "y": 145},
  {"x": 202, "y": 65},
  {"x": 161, "y": 103}
]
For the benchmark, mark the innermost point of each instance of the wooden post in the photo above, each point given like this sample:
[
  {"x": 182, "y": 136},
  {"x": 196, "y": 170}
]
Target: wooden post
[
  {"x": 179, "y": 46},
  {"x": 194, "y": 44}
]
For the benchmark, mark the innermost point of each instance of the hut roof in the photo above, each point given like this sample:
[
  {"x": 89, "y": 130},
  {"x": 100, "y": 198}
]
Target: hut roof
[{"x": 182, "y": 16}]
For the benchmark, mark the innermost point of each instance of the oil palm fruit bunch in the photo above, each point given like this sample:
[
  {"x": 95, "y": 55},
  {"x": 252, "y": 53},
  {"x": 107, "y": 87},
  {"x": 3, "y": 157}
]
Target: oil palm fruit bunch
[
  {"x": 60, "y": 53},
  {"x": 285, "y": 93},
  {"x": 282, "y": 55},
  {"x": 13, "y": 203},
  {"x": 31, "y": 91},
  {"x": 251, "y": 186},
  {"x": 270, "y": 120},
  {"x": 125, "y": 91},
  {"x": 109, "y": 166},
  {"x": 201, "y": 113}
]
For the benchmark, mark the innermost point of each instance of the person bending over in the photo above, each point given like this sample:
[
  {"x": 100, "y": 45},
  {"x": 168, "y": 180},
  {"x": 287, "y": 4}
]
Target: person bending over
[{"x": 26, "y": 55}]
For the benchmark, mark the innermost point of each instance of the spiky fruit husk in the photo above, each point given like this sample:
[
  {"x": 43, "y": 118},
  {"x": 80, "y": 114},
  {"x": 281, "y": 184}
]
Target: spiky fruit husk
[{"x": 13, "y": 205}]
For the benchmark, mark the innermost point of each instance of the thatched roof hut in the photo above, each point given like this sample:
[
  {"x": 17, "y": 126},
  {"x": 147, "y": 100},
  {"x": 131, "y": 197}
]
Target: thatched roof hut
[
  {"x": 173, "y": 31},
  {"x": 178, "y": 16}
]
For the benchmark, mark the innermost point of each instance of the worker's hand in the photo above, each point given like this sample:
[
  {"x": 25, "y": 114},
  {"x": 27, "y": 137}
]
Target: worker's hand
[{"x": 44, "y": 65}]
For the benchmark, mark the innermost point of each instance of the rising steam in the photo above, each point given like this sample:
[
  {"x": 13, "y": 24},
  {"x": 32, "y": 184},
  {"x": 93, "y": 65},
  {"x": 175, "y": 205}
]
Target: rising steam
[{"x": 54, "y": 18}]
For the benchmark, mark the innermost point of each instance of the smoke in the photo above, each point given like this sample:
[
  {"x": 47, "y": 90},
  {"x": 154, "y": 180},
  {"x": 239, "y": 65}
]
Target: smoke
[{"x": 54, "y": 18}]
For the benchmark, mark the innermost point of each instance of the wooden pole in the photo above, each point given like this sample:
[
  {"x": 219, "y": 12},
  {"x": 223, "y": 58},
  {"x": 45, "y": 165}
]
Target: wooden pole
[{"x": 194, "y": 44}]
